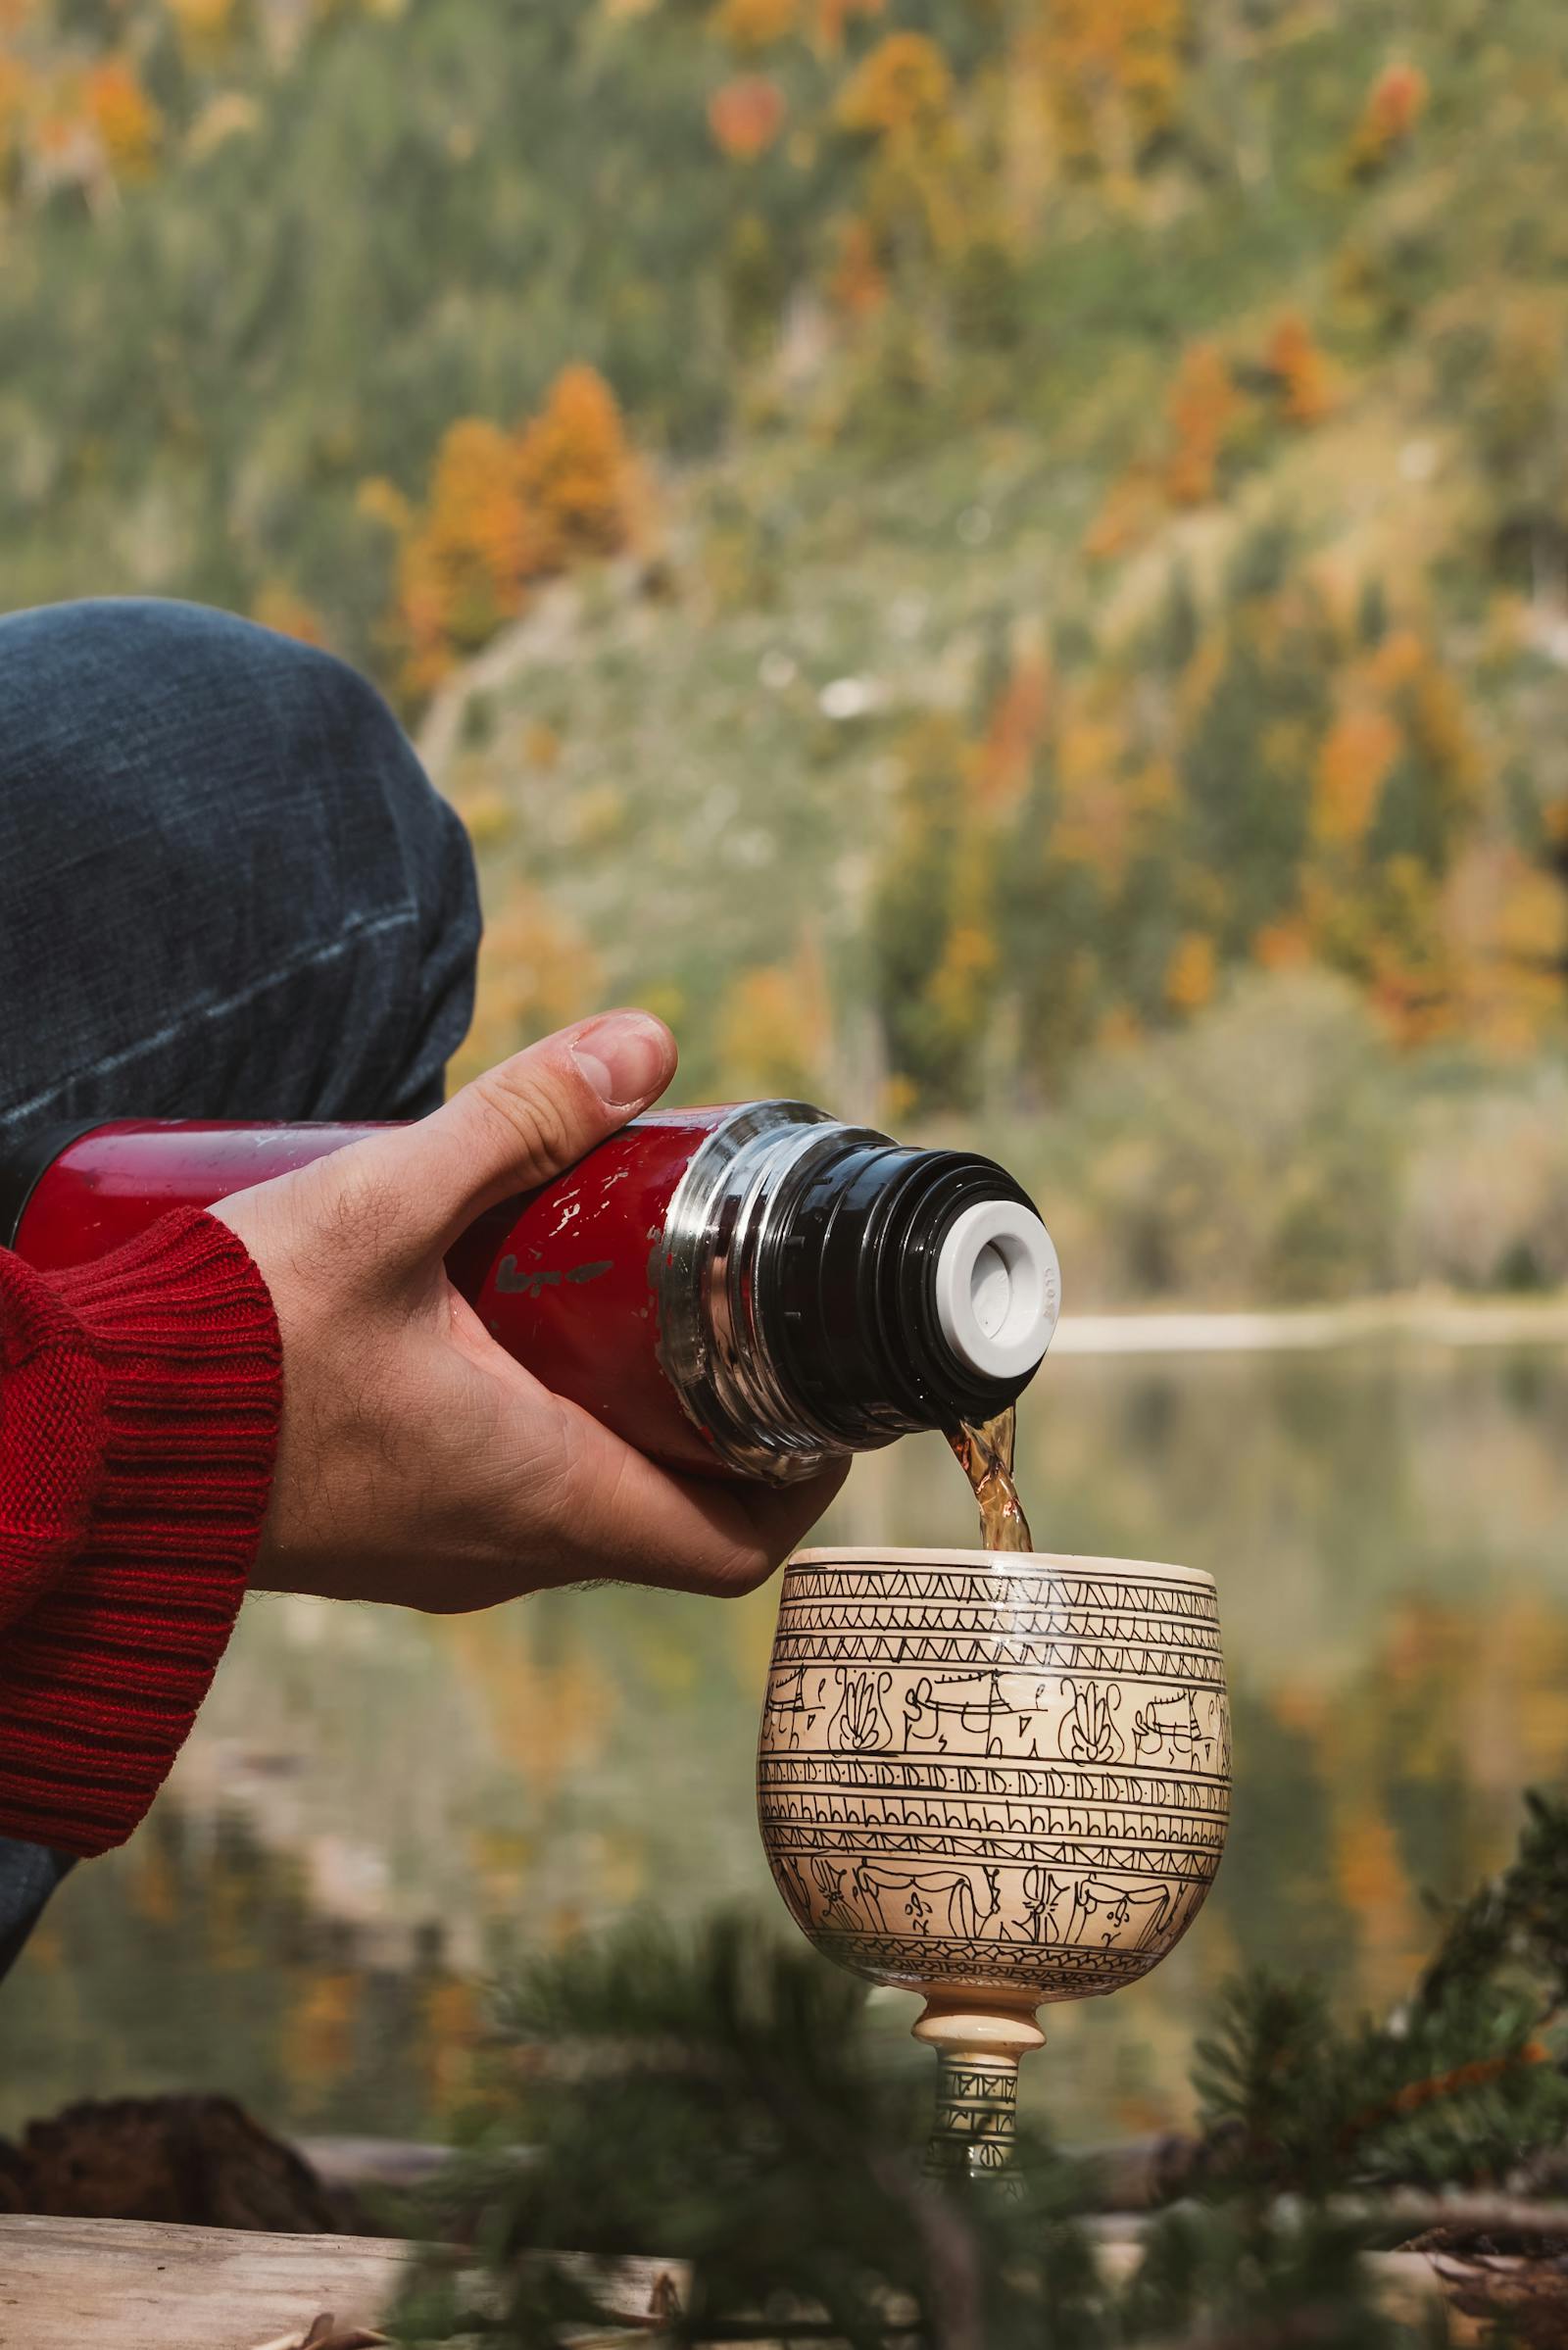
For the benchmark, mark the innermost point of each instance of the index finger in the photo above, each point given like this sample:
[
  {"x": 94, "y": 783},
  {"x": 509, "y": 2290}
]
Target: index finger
[{"x": 613, "y": 1512}]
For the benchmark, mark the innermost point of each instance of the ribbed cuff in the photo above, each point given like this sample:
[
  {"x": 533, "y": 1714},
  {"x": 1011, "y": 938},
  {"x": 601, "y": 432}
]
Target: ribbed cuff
[{"x": 101, "y": 1678}]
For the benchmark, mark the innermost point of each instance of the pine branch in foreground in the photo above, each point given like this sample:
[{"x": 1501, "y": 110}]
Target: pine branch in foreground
[{"x": 721, "y": 2101}]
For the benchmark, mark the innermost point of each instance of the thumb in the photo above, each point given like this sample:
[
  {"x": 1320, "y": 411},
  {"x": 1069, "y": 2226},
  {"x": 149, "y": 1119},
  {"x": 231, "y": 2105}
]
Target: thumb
[{"x": 511, "y": 1128}]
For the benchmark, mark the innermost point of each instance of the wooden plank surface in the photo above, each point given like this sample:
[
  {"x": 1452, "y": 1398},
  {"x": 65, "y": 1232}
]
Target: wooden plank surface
[{"x": 125, "y": 2284}]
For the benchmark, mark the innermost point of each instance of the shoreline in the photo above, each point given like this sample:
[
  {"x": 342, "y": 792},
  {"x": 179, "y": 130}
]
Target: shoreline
[{"x": 1433, "y": 1320}]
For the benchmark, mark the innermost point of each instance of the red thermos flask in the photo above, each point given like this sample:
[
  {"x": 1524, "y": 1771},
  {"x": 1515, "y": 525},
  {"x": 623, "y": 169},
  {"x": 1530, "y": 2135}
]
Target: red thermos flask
[{"x": 746, "y": 1291}]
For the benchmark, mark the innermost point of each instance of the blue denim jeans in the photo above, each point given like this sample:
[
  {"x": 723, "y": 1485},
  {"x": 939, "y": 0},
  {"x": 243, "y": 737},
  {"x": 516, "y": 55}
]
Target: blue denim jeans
[{"x": 227, "y": 890}]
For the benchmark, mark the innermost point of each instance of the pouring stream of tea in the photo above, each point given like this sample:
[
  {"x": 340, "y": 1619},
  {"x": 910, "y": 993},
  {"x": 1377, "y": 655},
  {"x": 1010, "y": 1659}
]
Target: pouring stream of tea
[{"x": 984, "y": 1450}]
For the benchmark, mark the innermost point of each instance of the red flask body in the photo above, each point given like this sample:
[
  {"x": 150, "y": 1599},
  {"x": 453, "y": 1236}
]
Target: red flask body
[
  {"x": 746, "y": 1291},
  {"x": 566, "y": 1280}
]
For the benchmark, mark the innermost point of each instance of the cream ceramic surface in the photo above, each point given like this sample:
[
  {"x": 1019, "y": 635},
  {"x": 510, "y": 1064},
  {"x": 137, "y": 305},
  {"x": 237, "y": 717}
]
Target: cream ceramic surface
[{"x": 1001, "y": 1778}]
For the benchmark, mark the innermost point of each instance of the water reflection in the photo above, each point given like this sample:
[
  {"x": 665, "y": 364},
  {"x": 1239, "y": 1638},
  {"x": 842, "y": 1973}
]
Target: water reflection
[{"x": 376, "y": 1809}]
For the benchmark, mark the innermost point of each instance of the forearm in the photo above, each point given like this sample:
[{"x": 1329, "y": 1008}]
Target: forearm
[{"x": 139, "y": 1405}]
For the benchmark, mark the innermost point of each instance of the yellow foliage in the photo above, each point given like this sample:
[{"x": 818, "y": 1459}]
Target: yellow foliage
[
  {"x": 128, "y": 123},
  {"x": 278, "y": 607},
  {"x": 1093, "y": 822},
  {"x": 1355, "y": 760},
  {"x": 755, "y": 23},
  {"x": 536, "y": 972},
  {"x": 229, "y": 114},
  {"x": 1440, "y": 726},
  {"x": 776, "y": 1029},
  {"x": 451, "y": 2023},
  {"x": 203, "y": 24},
  {"x": 546, "y": 1713},
  {"x": 904, "y": 87},
  {"x": 1533, "y": 921},
  {"x": 1189, "y": 981},
  {"x": 384, "y": 501},
  {"x": 745, "y": 117},
  {"x": 488, "y": 816},
  {"x": 1202, "y": 408},
  {"x": 1372, "y": 1880},
  {"x": 1111, "y": 71},
  {"x": 1507, "y": 922},
  {"x": 318, "y": 2040},
  {"x": 959, "y": 985}
]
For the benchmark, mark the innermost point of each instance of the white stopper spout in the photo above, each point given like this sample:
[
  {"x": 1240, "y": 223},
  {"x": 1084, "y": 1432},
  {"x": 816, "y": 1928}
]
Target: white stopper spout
[{"x": 998, "y": 1289}]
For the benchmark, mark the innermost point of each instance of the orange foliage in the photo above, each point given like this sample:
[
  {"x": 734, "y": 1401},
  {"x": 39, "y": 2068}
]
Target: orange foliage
[
  {"x": 1282, "y": 946},
  {"x": 1014, "y": 732},
  {"x": 464, "y": 569},
  {"x": 905, "y": 87},
  {"x": 1394, "y": 104},
  {"x": 576, "y": 473},
  {"x": 1203, "y": 408},
  {"x": 1355, "y": 760},
  {"x": 15, "y": 83},
  {"x": 745, "y": 117},
  {"x": 504, "y": 510},
  {"x": 859, "y": 284},
  {"x": 959, "y": 990},
  {"x": 1301, "y": 369},
  {"x": 761, "y": 24},
  {"x": 128, "y": 125},
  {"x": 1110, "y": 72},
  {"x": 776, "y": 1031}
]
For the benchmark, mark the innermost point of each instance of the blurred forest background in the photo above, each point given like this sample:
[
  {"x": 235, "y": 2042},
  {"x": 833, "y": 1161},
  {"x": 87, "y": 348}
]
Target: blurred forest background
[{"x": 1002, "y": 563}]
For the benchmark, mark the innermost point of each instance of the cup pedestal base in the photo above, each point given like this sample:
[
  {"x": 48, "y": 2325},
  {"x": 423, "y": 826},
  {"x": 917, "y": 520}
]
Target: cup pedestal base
[{"x": 977, "y": 2050}]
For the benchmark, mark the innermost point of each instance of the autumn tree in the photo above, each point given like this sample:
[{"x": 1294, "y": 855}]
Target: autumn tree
[
  {"x": 1393, "y": 106},
  {"x": 1111, "y": 71},
  {"x": 506, "y": 510}
]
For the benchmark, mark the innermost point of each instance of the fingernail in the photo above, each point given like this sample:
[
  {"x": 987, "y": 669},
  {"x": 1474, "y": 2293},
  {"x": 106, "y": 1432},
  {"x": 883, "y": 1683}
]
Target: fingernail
[{"x": 624, "y": 1057}]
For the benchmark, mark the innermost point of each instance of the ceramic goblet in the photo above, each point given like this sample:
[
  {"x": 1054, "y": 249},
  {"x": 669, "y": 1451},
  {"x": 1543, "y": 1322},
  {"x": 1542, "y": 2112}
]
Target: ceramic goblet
[{"x": 998, "y": 1779}]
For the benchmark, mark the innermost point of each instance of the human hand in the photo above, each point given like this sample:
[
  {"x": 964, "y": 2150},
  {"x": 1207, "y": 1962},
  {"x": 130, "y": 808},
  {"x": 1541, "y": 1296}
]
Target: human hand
[{"x": 418, "y": 1463}]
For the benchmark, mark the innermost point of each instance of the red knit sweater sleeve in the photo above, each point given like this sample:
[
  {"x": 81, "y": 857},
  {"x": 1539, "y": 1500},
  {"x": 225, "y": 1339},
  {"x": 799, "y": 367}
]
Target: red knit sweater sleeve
[{"x": 139, "y": 1402}]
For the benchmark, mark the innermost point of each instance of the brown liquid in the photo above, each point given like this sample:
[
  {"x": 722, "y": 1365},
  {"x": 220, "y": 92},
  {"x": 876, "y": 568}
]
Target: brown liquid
[{"x": 984, "y": 1450}]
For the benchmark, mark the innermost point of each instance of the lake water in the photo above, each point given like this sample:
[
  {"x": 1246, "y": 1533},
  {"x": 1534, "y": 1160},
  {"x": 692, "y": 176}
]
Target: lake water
[{"x": 376, "y": 1808}]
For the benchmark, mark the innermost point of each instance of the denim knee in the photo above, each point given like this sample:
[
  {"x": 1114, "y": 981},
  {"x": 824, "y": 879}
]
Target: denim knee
[{"x": 227, "y": 886}]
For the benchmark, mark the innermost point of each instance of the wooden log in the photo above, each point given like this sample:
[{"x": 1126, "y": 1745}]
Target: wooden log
[
  {"x": 129, "y": 2284},
  {"x": 138, "y": 2284}
]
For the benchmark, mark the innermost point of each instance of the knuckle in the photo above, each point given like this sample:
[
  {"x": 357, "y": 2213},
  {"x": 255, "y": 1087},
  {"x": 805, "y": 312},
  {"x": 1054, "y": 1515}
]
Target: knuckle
[
  {"x": 541, "y": 1131},
  {"x": 732, "y": 1569}
]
